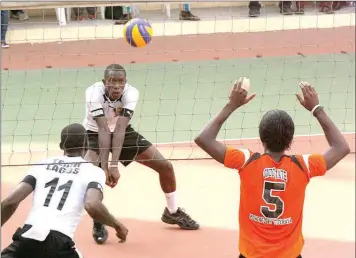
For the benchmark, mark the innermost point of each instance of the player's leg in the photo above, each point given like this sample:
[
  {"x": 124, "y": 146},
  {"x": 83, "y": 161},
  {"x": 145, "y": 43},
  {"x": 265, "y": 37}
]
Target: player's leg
[
  {"x": 137, "y": 148},
  {"x": 100, "y": 233}
]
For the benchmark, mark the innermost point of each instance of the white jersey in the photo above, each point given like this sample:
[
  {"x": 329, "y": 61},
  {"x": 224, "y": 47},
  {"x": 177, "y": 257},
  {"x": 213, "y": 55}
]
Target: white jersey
[
  {"x": 98, "y": 104},
  {"x": 59, "y": 192}
]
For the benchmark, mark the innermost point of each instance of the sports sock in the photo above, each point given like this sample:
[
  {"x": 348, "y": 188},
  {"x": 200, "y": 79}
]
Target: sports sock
[{"x": 171, "y": 202}]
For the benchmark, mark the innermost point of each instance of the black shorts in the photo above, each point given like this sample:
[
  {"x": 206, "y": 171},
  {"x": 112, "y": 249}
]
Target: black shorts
[
  {"x": 56, "y": 245},
  {"x": 133, "y": 145}
]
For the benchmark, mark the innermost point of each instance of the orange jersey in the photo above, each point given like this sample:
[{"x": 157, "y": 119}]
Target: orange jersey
[{"x": 271, "y": 201}]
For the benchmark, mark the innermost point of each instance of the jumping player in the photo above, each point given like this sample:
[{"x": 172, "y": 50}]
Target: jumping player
[
  {"x": 110, "y": 105},
  {"x": 273, "y": 184},
  {"x": 62, "y": 187}
]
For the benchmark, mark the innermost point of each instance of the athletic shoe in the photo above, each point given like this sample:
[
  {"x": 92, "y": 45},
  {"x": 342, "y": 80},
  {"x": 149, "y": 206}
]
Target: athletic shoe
[
  {"x": 188, "y": 16},
  {"x": 4, "y": 44},
  {"x": 100, "y": 233},
  {"x": 180, "y": 218}
]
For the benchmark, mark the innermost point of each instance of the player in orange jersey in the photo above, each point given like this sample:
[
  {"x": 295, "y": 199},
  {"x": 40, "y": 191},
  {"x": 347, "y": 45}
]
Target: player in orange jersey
[{"x": 273, "y": 184}]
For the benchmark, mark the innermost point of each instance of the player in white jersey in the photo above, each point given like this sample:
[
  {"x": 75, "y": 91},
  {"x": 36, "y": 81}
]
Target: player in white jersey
[
  {"x": 63, "y": 186},
  {"x": 110, "y": 105}
]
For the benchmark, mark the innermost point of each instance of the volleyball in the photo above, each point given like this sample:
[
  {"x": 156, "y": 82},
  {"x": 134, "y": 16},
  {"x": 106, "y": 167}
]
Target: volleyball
[{"x": 138, "y": 32}]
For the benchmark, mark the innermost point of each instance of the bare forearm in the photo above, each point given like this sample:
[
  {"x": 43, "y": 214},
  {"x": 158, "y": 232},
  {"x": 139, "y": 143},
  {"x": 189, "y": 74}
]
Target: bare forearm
[
  {"x": 7, "y": 210},
  {"x": 117, "y": 142},
  {"x": 211, "y": 130},
  {"x": 332, "y": 133},
  {"x": 104, "y": 145},
  {"x": 338, "y": 145},
  {"x": 100, "y": 213}
]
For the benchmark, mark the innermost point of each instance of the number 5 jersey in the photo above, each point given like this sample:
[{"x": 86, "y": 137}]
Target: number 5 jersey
[{"x": 271, "y": 200}]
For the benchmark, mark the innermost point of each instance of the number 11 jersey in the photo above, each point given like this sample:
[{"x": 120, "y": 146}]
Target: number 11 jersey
[
  {"x": 271, "y": 201},
  {"x": 60, "y": 185}
]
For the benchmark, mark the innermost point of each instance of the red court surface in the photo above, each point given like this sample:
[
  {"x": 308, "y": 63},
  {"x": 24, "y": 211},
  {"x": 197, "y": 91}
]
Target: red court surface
[
  {"x": 209, "y": 192},
  {"x": 181, "y": 48}
]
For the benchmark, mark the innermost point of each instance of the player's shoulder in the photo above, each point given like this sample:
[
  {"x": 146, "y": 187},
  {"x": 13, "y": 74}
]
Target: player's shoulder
[
  {"x": 97, "y": 87},
  {"x": 237, "y": 157},
  {"x": 232, "y": 151},
  {"x": 130, "y": 90},
  {"x": 307, "y": 158}
]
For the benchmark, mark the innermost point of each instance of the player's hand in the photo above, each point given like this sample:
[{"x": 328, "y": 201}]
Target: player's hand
[
  {"x": 112, "y": 176},
  {"x": 121, "y": 232},
  {"x": 310, "y": 98},
  {"x": 238, "y": 95}
]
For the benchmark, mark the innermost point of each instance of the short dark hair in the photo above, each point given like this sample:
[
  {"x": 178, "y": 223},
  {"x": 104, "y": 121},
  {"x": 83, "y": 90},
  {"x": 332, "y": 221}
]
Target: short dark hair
[
  {"x": 112, "y": 69},
  {"x": 276, "y": 130},
  {"x": 73, "y": 138}
]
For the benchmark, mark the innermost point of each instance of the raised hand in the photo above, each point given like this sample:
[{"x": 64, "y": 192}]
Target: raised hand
[
  {"x": 238, "y": 95},
  {"x": 310, "y": 98}
]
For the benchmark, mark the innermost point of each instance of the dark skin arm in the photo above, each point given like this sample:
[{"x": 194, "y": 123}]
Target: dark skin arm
[
  {"x": 10, "y": 204},
  {"x": 206, "y": 140},
  {"x": 117, "y": 142},
  {"x": 104, "y": 142},
  {"x": 207, "y": 137},
  {"x": 118, "y": 138},
  {"x": 339, "y": 148},
  {"x": 97, "y": 210}
]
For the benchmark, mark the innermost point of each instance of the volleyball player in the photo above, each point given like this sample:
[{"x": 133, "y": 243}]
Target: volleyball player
[
  {"x": 273, "y": 184},
  {"x": 63, "y": 186},
  {"x": 110, "y": 105}
]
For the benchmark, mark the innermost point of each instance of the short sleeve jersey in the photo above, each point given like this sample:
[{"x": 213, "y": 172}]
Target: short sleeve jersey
[
  {"x": 271, "y": 201},
  {"x": 59, "y": 192},
  {"x": 98, "y": 104}
]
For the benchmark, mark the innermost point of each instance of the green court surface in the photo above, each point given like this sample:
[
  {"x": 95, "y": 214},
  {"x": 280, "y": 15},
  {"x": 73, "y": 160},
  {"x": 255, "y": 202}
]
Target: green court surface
[{"x": 177, "y": 99}]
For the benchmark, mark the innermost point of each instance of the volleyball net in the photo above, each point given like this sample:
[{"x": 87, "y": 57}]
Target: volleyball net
[{"x": 184, "y": 75}]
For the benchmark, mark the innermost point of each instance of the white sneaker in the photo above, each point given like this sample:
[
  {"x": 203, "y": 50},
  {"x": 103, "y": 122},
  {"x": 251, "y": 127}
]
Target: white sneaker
[{"x": 4, "y": 44}]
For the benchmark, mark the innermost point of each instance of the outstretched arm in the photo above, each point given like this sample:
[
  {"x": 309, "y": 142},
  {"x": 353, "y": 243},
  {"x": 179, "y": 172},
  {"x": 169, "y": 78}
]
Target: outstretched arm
[
  {"x": 207, "y": 137},
  {"x": 339, "y": 148},
  {"x": 338, "y": 145},
  {"x": 118, "y": 138},
  {"x": 104, "y": 141},
  {"x": 96, "y": 209},
  {"x": 10, "y": 204}
]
